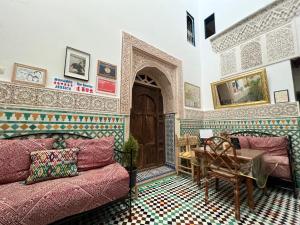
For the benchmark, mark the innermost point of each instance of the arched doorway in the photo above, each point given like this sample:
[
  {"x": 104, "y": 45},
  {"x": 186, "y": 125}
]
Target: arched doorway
[{"x": 147, "y": 121}]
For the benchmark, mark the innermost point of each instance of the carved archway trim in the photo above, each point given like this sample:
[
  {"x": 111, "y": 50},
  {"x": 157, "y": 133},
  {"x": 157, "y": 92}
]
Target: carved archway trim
[{"x": 136, "y": 55}]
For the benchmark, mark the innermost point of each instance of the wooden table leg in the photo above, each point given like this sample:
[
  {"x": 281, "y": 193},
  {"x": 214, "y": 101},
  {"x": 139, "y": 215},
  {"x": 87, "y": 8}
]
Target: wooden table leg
[
  {"x": 249, "y": 183},
  {"x": 198, "y": 174}
]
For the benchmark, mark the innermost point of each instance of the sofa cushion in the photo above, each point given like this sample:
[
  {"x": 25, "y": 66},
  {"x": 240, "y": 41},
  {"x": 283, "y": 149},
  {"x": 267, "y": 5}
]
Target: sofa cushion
[
  {"x": 15, "y": 157},
  {"x": 276, "y": 146},
  {"x": 94, "y": 153},
  {"x": 244, "y": 143},
  {"x": 45, "y": 202},
  {"x": 50, "y": 164},
  {"x": 282, "y": 170}
]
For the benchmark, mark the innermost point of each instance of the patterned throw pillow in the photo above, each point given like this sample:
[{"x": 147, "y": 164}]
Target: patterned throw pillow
[{"x": 50, "y": 164}]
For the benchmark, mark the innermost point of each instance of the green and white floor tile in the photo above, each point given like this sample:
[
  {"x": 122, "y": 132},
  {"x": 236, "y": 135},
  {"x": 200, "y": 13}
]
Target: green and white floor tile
[{"x": 177, "y": 200}]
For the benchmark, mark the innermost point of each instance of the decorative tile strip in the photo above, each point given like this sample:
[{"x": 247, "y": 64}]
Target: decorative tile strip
[
  {"x": 170, "y": 139},
  {"x": 268, "y": 18},
  {"x": 194, "y": 114},
  {"x": 20, "y": 95},
  {"x": 16, "y": 121},
  {"x": 290, "y": 109}
]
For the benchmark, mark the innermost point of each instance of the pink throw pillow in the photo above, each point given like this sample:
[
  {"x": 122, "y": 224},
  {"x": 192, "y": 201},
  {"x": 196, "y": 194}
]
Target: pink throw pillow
[
  {"x": 94, "y": 153},
  {"x": 276, "y": 146},
  {"x": 15, "y": 157}
]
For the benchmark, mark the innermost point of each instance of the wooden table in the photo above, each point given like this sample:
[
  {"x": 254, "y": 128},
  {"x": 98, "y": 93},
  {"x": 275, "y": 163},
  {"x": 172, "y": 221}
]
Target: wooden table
[{"x": 245, "y": 155}]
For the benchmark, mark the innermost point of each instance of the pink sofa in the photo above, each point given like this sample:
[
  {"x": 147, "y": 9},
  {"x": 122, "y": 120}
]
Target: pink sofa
[
  {"x": 277, "y": 151},
  {"x": 48, "y": 201}
]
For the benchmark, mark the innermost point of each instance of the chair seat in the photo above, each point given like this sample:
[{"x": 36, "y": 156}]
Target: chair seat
[
  {"x": 222, "y": 171},
  {"x": 187, "y": 155}
]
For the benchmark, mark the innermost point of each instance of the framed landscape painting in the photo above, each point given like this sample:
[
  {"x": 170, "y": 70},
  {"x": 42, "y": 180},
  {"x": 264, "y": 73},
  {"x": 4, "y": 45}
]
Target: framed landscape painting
[
  {"x": 77, "y": 64},
  {"x": 30, "y": 75},
  {"x": 191, "y": 95},
  {"x": 247, "y": 89}
]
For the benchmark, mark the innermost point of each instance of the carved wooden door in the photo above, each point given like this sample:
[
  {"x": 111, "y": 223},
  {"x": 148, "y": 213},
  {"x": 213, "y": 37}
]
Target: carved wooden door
[{"x": 147, "y": 125}]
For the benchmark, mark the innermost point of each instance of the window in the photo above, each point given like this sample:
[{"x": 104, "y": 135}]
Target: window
[
  {"x": 190, "y": 29},
  {"x": 209, "y": 24}
]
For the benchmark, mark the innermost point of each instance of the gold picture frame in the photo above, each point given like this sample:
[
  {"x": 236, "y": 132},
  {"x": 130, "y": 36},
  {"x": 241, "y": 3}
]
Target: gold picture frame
[{"x": 246, "y": 89}]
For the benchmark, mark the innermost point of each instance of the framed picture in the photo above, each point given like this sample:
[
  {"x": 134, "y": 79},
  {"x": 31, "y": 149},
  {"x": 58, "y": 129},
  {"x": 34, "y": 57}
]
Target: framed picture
[
  {"x": 191, "y": 95},
  {"x": 105, "y": 86},
  {"x": 107, "y": 70},
  {"x": 29, "y": 75},
  {"x": 77, "y": 64},
  {"x": 247, "y": 89},
  {"x": 281, "y": 96}
]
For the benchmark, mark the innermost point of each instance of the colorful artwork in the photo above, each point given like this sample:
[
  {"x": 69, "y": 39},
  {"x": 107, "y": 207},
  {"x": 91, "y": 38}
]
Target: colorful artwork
[
  {"x": 63, "y": 84},
  {"x": 192, "y": 95},
  {"x": 29, "y": 75},
  {"x": 106, "y": 86},
  {"x": 247, "y": 89},
  {"x": 107, "y": 70},
  {"x": 84, "y": 88},
  {"x": 77, "y": 64}
]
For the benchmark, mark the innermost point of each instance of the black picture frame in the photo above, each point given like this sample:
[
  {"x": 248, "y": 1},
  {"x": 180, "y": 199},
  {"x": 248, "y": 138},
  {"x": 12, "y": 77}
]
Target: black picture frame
[
  {"x": 281, "y": 91},
  {"x": 77, "y": 64}
]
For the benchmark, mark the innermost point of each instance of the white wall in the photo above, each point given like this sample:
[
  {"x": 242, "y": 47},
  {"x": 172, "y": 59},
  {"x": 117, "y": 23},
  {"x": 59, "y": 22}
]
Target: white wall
[
  {"x": 35, "y": 32},
  {"x": 227, "y": 13}
]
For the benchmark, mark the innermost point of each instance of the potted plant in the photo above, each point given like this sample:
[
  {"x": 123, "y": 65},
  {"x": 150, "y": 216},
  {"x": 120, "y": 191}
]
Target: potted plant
[{"x": 130, "y": 149}]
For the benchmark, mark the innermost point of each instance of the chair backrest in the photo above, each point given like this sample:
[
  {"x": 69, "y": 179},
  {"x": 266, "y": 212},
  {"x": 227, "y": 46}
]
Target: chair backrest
[
  {"x": 182, "y": 143},
  {"x": 220, "y": 154},
  {"x": 193, "y": 142}
]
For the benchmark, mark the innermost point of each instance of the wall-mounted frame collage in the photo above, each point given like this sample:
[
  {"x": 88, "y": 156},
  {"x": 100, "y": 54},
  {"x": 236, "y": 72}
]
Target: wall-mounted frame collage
[{"x": 77, "y": 66}]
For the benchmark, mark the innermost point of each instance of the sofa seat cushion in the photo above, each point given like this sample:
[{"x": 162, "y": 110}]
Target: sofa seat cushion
[
  {"x": 15, "y": 157},
  {"x": 94, "y": 153},
  {"x": 49, "y": 201},
  {"x": 276, "y": 146},
  {"x": 283, "y": 168}
]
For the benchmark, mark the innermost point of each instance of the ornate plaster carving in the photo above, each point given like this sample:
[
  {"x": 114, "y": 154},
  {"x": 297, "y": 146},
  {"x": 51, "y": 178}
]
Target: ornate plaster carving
[
  {"x": 21, "y": 95},
  {"x": 272, "y": 16},
  {"x": 290, "y": 109},
  {"x": 251, "y": 54},
  {"x": 137, "y": 55},
  {"x": 228, "y": 61},
  {"x": 280, "y": 43}
]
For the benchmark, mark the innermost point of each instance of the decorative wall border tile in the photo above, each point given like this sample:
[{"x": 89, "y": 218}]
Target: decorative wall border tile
[
  {"x": 270, "y": 17},
  {"x": 21, "y": 95},
  {"x": 170, "y": 139},
  {"x": 290, "y": 109},
  {"x": 16, "y": 121}
]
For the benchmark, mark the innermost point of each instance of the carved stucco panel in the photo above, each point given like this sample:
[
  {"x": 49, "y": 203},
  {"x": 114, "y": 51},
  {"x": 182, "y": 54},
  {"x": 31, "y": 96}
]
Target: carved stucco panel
[
  {"x": 136, "y": 55},
  {"x": 280, "y": 43},
  {"x": 268, "y": 18},
  {"x": 251, "y": 54}
]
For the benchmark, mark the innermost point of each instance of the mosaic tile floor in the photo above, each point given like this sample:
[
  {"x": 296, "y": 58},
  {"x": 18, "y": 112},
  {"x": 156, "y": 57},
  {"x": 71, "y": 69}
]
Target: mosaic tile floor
[
  {"x": 146, "y": 175},
  {"x": 176, "y": 200}
]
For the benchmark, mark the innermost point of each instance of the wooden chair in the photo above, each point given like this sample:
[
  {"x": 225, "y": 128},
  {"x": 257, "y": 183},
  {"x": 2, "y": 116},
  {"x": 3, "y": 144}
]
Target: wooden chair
[
  {"x": 184, "y": 156},
  {"x": 220, "y": 166},
  {"x": 194, "y": 142}
]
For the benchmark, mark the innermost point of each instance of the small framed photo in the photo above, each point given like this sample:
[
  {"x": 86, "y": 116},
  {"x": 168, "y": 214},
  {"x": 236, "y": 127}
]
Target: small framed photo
[
  {"x": 107, "y": 70},
  {"x": 29, "y": 75},
  {"x": 281, "y": 96},
  {"x": 105, "y": 86},
  {"x": 77, "y": 64}
]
